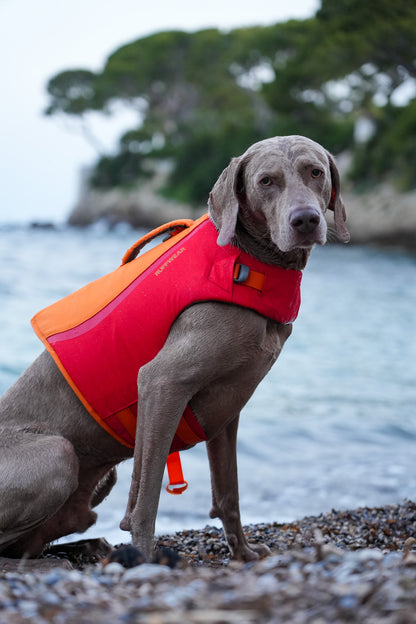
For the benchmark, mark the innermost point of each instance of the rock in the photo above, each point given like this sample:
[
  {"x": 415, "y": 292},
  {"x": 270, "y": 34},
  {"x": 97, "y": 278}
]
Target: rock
[
  {"x": 114, "y": 569},
  {"x": 314, "y": 576},
  {"x": 144, "y": 572},
  {"x": 141, "y": 207},
  {"x": 382, "y": 216},
  {"x": 38, "y": 565}
]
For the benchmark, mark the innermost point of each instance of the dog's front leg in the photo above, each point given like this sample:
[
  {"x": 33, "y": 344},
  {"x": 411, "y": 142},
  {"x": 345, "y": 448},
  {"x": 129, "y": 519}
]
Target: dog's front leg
[
  {"x": 160, "y": 409},
  {"x": 222, "y": 455}
]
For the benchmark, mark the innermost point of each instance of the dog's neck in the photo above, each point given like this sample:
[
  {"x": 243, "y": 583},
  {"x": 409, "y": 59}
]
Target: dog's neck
[{"x": 263, "y": 248}]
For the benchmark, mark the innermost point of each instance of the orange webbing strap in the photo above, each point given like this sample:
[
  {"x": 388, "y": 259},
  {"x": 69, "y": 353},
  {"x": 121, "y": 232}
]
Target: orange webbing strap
[
  {"x": 171, "y": 228},
  {"x": 244, "y": 275},
  {"x": 176, "y": 484}
]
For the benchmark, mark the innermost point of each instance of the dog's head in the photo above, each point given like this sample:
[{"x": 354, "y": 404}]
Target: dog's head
[{"x": 282, "y": 186}]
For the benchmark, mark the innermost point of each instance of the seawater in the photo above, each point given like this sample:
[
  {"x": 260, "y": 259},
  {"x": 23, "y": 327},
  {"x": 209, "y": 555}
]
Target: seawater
[{"x": 333, "y": 425}]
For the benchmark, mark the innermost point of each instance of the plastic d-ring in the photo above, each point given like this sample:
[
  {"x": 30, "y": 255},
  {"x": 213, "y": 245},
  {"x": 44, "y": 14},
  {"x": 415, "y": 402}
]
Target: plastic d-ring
[
  {"x": 176, "y": 488},
  {"x": 177, "y": 483}
]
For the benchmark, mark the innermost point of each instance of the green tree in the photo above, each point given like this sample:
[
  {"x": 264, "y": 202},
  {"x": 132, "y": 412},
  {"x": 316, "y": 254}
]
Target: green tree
[
  {"x": 203, "y": 97},
  {"x": 192, "y": 104}
]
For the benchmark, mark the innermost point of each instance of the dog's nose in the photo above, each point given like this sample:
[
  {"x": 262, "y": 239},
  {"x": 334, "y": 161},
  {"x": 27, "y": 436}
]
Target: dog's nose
[{"x": 305, "y": 220}]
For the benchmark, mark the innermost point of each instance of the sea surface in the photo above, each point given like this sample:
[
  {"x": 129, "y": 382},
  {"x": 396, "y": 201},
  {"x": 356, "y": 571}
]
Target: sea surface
[{"x": 333, "y": 425}]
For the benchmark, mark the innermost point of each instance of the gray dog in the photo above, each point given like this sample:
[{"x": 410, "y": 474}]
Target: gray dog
[{"x": 57, "y": 462}]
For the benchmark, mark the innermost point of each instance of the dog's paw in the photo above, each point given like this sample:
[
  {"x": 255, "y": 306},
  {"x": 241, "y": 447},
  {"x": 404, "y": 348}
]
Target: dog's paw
[
  {"x": 259, "y": 550},
  {"x": 247, "y": 552}
]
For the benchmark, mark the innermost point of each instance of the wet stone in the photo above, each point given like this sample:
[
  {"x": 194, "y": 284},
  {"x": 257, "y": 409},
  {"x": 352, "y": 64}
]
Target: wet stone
[{"x": 345, "y": 566}]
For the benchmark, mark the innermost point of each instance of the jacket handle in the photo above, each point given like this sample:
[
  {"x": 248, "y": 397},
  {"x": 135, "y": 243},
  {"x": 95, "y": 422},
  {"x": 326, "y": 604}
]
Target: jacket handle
[{"x": 172, "y": 228}]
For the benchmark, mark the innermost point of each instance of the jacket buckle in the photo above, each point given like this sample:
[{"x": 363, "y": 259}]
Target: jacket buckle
[{"x": 241, "y": 273}]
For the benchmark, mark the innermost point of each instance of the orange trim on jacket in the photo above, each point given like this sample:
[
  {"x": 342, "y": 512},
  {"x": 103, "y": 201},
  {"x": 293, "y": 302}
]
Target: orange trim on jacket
[{"x": 101, "y": 335}]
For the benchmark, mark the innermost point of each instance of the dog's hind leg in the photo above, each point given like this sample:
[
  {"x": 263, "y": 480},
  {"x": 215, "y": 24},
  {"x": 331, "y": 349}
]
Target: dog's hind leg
[
  {"x": 38, "y": 474},
  {"x": 104, "y": 487},
  {"x": 222, "y": 455}
]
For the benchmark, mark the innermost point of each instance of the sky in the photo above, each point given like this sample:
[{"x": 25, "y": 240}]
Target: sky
[{"x": 41, "y": 157}]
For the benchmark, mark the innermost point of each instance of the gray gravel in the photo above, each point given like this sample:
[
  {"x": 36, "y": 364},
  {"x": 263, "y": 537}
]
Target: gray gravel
[{"x": 350, "y": 566}]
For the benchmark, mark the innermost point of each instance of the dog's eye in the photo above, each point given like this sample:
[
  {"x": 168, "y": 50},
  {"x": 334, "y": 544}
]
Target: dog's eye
[
  {"x": 316, "y": 173},
  {"x": 266, "y": 181}
]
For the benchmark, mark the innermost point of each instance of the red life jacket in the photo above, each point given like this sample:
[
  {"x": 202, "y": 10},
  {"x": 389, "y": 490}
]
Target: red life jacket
[{"x": 101, "y": 335}]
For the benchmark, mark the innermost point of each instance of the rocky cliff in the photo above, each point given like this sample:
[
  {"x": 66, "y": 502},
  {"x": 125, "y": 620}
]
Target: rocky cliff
[
  {"x": 382, "y": 216},
  {"x": 142, "y": 206}
]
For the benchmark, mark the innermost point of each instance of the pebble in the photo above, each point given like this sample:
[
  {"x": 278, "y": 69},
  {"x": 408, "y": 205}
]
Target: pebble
[
  {"x": 114, "y": 569},
  {"x": 144, "y": 572},
  {"x": 349, "y": 566}
]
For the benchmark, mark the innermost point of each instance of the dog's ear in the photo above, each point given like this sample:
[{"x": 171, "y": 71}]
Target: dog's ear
[
  {"x": 223, "y": 201},
  {"x": 336, "y": 204}
]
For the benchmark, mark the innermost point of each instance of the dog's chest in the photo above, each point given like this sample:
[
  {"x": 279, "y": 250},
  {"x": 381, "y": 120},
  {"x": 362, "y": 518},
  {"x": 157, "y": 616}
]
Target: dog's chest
[{"x": 222, "y": 400}]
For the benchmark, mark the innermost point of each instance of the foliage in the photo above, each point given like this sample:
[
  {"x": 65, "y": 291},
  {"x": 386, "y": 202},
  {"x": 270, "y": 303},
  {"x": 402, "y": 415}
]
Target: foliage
[
  {"x": 72, "y": 92},
  {"x": 391, "y": 151},
  {"x": 201, "y": 158},
  {"x": 123, "y": 169},
  {"x": 205, "y": 96}
]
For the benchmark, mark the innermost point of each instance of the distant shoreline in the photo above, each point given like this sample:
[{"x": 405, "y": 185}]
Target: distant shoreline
[{"x": 380, "y": 217}]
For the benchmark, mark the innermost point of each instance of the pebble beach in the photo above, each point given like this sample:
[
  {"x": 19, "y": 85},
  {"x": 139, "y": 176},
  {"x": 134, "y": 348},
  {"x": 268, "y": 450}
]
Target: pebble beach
[{"x": 343, "y": 566}]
